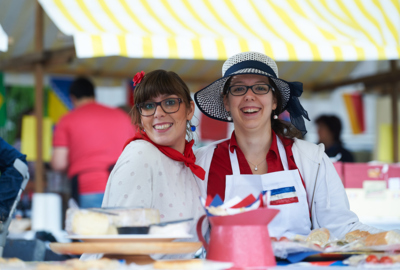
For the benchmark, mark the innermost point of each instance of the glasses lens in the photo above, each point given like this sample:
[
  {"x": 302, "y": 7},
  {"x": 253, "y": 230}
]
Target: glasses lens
[
  {"x": 147, "y": 108},
  {"x": 238, "y": 90},
  {"x": 261, "y": 89},
  {"x": 170, "y": 105}
]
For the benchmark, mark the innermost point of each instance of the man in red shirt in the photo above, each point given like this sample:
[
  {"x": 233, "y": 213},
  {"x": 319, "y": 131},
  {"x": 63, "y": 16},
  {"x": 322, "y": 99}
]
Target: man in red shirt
[{"x": 88, "y": 141}]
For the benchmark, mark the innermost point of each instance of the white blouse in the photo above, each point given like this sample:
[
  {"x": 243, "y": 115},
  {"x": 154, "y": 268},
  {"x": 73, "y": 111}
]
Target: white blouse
[{"x": 145, "y": 177}]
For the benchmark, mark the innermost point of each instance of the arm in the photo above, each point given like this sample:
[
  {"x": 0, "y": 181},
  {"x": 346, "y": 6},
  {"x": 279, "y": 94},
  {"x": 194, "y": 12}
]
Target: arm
[
  {"x": 130, "y": 182},
  {"x": 332, "y": 209},
  {"x": 59, "y": 159},
  {"x": 14, "y": 170}
]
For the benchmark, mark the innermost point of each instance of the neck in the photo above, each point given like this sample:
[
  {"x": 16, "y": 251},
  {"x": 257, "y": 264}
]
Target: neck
[
  {"x": 82, "y": 101},
  {"x": 254, "y": 144},
  {"x": 328, "y": 143},
  {"x": 181, "y": 147}
]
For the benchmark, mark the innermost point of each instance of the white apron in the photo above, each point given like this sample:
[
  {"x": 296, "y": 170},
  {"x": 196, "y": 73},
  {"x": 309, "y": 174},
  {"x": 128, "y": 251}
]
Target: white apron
[{"x": 285, "y": 192}]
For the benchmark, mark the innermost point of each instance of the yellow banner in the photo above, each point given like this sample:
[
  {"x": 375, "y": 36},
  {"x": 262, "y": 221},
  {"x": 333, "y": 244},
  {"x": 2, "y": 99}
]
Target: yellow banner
[{"x": 29, "y": 141}]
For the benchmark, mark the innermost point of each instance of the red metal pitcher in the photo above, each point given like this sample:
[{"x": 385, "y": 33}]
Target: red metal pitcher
[{"x": 242, "y": 238}]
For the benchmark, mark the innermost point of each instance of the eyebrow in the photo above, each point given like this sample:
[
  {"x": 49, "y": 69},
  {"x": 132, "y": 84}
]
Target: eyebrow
[{"x": 257, "y": 82}]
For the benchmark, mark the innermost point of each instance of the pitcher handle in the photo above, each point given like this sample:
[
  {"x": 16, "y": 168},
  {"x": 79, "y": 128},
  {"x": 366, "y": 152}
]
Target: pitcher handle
[{"x": 199, "y": 233}]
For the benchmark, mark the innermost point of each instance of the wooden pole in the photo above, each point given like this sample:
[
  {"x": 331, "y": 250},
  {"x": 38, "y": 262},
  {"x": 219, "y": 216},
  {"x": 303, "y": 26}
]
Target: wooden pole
[
  {"x": 395, "y": 111},
  {"x": 39, "y": 168}
]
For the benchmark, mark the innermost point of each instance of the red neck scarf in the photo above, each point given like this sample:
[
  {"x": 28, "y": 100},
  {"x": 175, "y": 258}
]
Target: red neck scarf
[{"x": 188, "y": 157}]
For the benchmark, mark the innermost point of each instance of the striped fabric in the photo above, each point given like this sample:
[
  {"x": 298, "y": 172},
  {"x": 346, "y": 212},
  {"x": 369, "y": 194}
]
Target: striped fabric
[
  {"x": 284, "y": 195},
  {"x": 286, "y": 30}
]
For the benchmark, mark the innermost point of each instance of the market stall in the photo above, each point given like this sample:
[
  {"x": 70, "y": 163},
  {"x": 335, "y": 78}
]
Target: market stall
[{"x": 316, "y": 43}]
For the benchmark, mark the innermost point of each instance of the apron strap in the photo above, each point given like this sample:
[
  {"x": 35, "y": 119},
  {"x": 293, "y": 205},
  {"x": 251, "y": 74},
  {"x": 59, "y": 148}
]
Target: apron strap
[
  {"x": 234, "y": 162},
  {"x": 282, "y": 154}
]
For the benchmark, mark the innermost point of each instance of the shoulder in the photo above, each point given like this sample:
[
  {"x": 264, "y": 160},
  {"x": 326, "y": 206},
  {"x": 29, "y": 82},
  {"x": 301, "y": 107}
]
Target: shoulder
[
  {"x": 141, "y": 148},
  {"x": 207, "y": 150},
  {"x": 309, "y": 150}
]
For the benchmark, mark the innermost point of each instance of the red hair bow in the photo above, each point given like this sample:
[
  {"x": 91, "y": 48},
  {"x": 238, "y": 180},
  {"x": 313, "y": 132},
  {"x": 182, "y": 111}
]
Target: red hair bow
[{"x": 138, "y": 78}]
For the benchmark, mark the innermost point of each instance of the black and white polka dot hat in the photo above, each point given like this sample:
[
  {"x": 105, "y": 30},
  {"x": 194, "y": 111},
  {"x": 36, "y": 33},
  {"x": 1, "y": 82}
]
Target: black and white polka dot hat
[{"x": 210, "y": 98}]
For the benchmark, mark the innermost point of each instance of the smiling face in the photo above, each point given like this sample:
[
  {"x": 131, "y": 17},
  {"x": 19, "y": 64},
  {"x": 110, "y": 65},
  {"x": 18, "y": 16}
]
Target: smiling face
[
  {"x": 250, "y": 111},
  {"x": 168, "y": 129}
]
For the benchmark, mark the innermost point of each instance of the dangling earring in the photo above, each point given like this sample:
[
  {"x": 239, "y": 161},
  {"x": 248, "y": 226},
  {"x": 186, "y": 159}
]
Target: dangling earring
[
  {"x": 229, "y": 118},
  {"x": 192, "y": 127},
  {"x": 275, "y": 116}
]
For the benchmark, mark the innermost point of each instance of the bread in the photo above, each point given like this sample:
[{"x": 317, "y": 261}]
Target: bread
[
  {"x": 95, "y": 222},
  {"x": 355, "y": 235},
  {"x": 179, "y": 264},
  {"x": 76, "y": 264},
  {"x": 12, "y": 262},
  {"x": 90, "y": 223},
  {"x": 383, "y": 238},
  {"x": 319, "y": 236}
]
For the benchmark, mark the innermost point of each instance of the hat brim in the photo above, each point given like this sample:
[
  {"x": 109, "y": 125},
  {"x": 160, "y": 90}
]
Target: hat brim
[{"x": 210, "y": 99}]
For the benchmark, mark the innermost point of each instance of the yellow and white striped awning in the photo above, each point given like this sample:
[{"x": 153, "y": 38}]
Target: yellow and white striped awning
[{"x": 286, "y": 30}]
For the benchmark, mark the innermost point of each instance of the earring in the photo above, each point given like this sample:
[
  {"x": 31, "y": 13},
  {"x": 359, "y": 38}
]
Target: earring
[
  {"x": 275, "y": 116},
  {"x": 192, "y": 127},
  {"x": 229, "y": 118}
]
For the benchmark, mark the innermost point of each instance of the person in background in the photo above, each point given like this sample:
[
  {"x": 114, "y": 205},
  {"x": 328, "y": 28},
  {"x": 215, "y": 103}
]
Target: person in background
[
  {"x": 265, "y": 154},
  {"x": 13, "y": 169},
  {"x": 157, "y": 167},
  {"x": 329, "y": 130},
  {"x": 87, "y": 142}
]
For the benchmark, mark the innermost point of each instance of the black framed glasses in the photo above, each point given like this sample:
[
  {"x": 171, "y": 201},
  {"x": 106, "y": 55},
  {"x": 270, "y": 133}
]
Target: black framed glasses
[
  {"x": 258, "y": 89},
  {"x": 169, "y": 105}
]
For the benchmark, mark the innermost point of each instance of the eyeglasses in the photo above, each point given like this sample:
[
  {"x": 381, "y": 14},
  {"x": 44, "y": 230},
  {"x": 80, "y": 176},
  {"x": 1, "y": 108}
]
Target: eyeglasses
[
  {"x": 169, "y": 105},
  {"x": 258, "y": 89}
]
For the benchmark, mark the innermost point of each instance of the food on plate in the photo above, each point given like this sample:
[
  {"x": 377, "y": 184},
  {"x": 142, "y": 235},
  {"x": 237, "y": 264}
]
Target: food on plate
[
  {"x": 300, "y": 238},
  {"x": 372, "y": 259},
  {"x": 178, "y": 264},
  {"x": 12, "y": 262},
  {"x": 83, "y": 222},
  {"x": 383, "y": 238},
  {"x": 76, "y": 264},
  {"x": 173, "y": 229},
  {"x": 135, "y": 217},
  {"x": 319, "y": 237},
  {"x": 355, "y": 235},
  {"x": 104, "y": 221},
  {"x": 378, "y": 260}
]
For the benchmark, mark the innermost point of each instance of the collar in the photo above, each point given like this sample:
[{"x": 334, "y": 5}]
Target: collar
[{"x": 274, "y": 145}]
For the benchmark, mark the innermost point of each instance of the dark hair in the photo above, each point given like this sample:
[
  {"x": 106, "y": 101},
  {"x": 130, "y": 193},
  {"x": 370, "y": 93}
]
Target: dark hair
[
  {"x": 280, "y": 127},
  {"x": 334, "y": 125},
  {"x": 81, "y": 87},
  {"x": 159, "y": 82}
]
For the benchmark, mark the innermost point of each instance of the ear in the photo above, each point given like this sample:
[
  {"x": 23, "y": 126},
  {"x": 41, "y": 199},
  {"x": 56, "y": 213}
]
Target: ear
[
  {"x": 190, "y": 111},
  {"x": 226, "y": 103},
  {"x": 274, "y": 103}
]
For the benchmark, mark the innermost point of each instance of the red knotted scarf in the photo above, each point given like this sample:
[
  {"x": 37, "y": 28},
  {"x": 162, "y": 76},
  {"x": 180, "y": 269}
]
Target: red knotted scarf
[{"x": 188, "y": 158}]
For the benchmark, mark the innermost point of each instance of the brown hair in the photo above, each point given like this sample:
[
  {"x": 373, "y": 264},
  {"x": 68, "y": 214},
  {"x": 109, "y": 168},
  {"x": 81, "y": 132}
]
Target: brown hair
[
  {"x": 155, "y": 83},
  {"x": 280, "y": 127}
]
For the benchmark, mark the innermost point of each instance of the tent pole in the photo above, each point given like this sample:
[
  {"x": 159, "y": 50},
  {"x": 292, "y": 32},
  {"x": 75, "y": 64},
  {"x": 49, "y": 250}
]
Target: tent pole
[
  {"x": 395, "y": 111},
  {"x": 39, "y": 166}
]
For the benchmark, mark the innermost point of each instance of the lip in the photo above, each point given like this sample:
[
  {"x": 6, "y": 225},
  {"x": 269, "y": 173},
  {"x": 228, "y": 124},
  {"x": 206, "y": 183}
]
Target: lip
[
  {"x": 250, "y": 107},
  {"x": 162, "y": 130}
]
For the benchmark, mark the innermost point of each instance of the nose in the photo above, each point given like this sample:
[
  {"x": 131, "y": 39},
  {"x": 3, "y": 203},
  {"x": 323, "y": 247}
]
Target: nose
[
  {"x": 159, "y": 111},
  {"x": 249, "y": 96}
]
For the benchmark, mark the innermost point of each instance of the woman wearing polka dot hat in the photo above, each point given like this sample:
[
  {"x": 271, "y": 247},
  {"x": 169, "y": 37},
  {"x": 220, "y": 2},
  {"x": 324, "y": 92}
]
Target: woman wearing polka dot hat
[
  {"x": 157, "y": 167},
  {"x": 265, "y": 154}
]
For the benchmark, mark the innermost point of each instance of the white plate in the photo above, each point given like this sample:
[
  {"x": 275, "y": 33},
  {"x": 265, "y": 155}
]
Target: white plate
[{"x": 128, "y": 238}]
